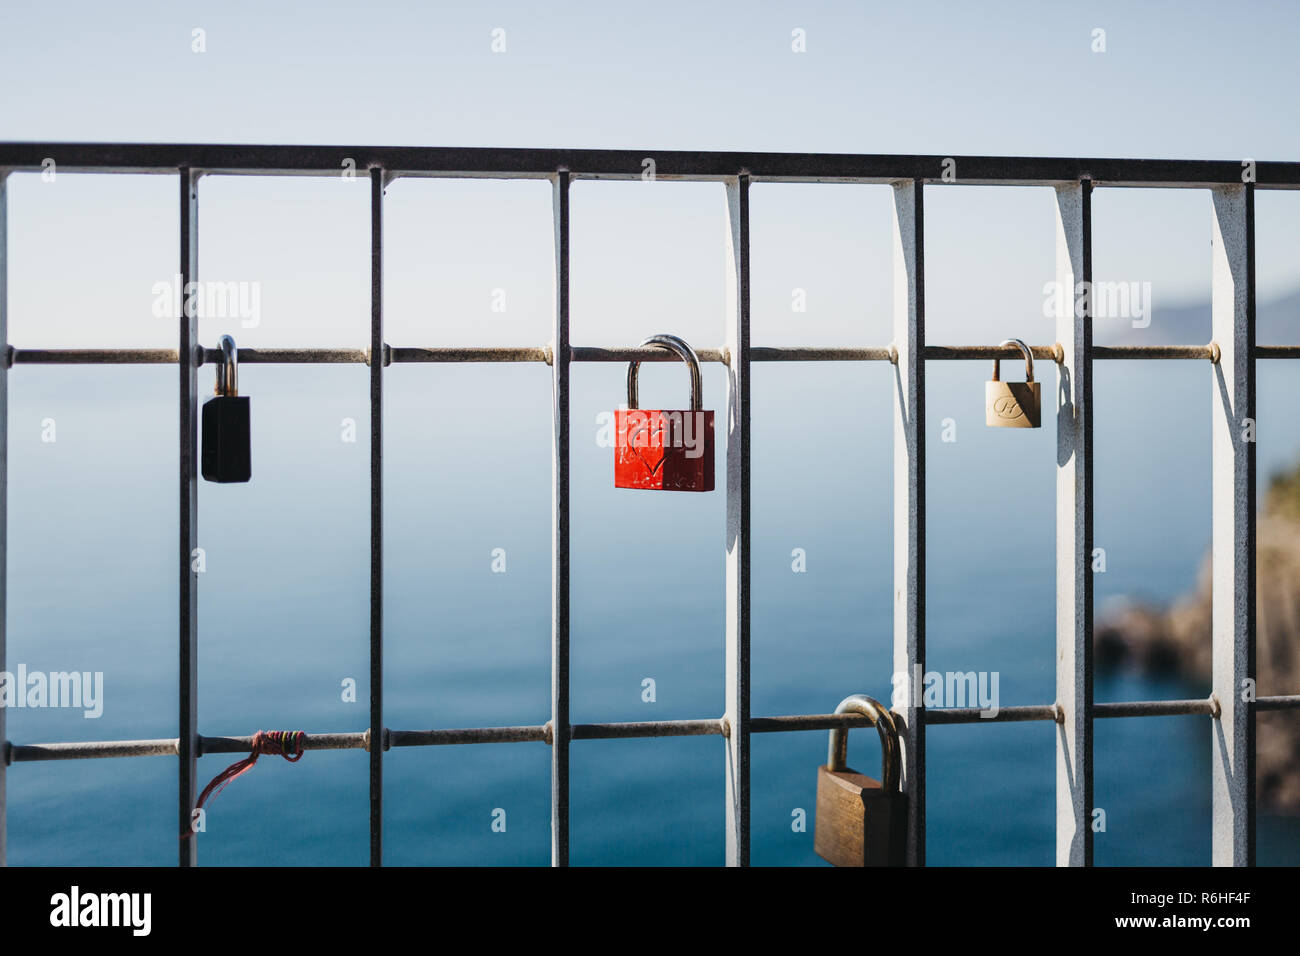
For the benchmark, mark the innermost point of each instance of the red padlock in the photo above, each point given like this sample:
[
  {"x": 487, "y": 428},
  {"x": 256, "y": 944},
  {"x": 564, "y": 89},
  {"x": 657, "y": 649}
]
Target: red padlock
[{"x": 661, "y": 450}]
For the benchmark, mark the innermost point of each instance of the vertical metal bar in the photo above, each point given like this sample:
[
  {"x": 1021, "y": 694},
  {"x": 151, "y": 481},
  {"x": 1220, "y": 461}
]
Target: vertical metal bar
[
  {"x": 4, "y": 490},
  {"x": 376, "y": 517},
  {"x": 1233, "y": 497},
  {"x": 909, "y": 497},
  {"x": 738, "y": 543},
  {"x": 1074, "y": 524},
  {"x": 560, "y": 724},
  {"x": 188, "y": 732}
]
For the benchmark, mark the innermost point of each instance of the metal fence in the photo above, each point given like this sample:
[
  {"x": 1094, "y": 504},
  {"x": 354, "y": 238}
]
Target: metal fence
[{"x": 1231, "y": 358}]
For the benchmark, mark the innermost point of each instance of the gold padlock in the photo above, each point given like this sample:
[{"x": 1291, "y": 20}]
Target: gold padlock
[
  {"x": 860, "y": 821},
  {"x": 1013, "y": 404}
]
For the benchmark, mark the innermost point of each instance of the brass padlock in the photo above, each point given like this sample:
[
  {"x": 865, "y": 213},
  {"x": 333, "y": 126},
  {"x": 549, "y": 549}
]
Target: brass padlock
[
  {"x": 860, "y": 821},
  {"x": 1013, "y": 404}
]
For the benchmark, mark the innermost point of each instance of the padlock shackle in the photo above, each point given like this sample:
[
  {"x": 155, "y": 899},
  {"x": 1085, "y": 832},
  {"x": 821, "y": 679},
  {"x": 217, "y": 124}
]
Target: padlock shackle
[
  {"x": 890, "y": 758},
  {"x": 685, "y": 353},
  {"x": 1029, "y": 359},
  {"x": 228, "y": 370}
]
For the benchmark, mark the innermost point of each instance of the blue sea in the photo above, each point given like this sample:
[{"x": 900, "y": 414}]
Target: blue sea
[{"x": 284, "y": 612}]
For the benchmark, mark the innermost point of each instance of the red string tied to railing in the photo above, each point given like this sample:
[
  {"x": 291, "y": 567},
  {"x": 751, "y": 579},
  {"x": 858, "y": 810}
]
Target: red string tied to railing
[{"x": 285, "y": 743}]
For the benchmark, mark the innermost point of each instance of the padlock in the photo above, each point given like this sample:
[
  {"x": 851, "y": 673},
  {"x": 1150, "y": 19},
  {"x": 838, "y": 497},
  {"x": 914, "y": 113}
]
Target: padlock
[
  {"x": 860, "y": 821},
  {"x": 664, "y": 450},
  {"x": 226, "y": 454},
  {"x": 1013, "y": 404}
]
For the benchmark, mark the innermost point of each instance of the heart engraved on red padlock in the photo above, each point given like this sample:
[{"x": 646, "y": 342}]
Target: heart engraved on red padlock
[
  {"x": 654, "y": 438},
  {"x": 683, "y": 438}
]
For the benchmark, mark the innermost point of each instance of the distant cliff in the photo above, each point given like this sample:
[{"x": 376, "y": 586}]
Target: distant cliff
[
  {"x": 1277, "y": 322},
  {"x": 1176, "y": 640}
]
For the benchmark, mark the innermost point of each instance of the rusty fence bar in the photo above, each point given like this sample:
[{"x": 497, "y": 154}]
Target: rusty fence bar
[
  {"x": 17, "y": 356},
  {"x": 541, "y": 733},
  {"x": 242, "y": 745},
  {"x": 467, "y": 735},
  {"x": 291, "y": 356},
  {"x": 93, "y": 749},
  {"x": 460, "y": 354},
  {"x": 586, "y": 353},
  {"x": 1003, "y": 715},
  {"x": 1156, "y": 708},
  {"x": 1281, "y": 702},
  {"x": 657, "y": 728}
]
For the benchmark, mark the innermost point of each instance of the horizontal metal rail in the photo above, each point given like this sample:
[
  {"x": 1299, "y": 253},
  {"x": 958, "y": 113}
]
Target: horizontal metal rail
[
  {"x": 1285, "y": 702},
  {"x": 652, "y": 728},
  {"x": 1157, "y": 708},
  {"x": 587, "y": 353},
  {"x": 16, "y": 753},
  {"x": 237, "y": 745},
  {"x": 1202, "y": 352},
  {"x": 1277, "y": 351},
  {"x": 958, "y": 353},
  {"x": 92, "y": 356},
  {"x": 290, "y": 356},
  {"x": 467, "y": 354},
  {"x": 768, "y": 353},
  {"x": 626, "y": 164},
  {"x": 1003, "y": 715},
  {"x": 541, "y": 733},
  {"x": 19, "y": 753},
  {"x": 507, "y": 354},
  {"x": 467, "y": 735}
]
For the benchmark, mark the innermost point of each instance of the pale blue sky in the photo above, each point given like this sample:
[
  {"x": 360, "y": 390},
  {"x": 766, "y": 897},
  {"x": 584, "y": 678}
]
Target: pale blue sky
[
  {"x": 1176, "y": 80},
  {"x": 1197, "y": 80},
  {"x": 1186, "y": 80}
]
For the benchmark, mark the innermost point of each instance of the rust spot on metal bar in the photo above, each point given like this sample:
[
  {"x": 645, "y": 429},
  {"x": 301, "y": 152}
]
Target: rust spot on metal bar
[{"x": 93, "y": 356}]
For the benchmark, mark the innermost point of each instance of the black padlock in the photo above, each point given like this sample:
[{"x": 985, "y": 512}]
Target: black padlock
[{"x": 227, "y": 446}]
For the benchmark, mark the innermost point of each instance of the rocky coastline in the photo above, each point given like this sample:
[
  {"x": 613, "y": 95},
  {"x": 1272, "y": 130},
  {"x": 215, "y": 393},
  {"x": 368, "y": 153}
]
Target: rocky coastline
[{"x": 1175, "y": 640}]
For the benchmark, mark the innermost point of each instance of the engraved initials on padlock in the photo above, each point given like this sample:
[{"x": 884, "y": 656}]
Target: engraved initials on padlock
[
  {"x": 1013, "y": 404},
  {"x": 860, "y": 821}
]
